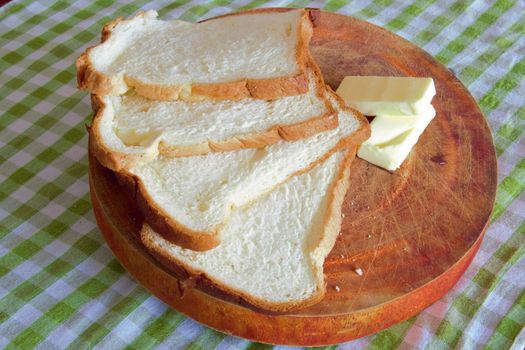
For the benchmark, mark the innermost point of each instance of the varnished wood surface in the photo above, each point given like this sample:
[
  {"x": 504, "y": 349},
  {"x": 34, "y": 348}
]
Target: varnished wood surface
[{"x": 412, "y": 232}]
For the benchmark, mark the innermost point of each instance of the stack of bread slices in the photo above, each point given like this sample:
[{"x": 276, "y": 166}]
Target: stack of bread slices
[{"x": 238, "y": 153}]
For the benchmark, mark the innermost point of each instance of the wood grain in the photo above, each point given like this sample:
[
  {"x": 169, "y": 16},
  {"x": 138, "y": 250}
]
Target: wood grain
[{"x": 412, "y": 232}]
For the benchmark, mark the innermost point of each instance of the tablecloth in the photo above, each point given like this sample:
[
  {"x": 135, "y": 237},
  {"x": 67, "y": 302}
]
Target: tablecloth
[{"x": 61, "y": 287}]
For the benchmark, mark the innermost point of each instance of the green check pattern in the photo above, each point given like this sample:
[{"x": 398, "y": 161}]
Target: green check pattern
[{"x": 60, "y": 286}]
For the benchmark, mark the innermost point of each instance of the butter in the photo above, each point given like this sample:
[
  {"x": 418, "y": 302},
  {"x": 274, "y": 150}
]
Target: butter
[
  {"x": 402, "y": 109},
  {"x": 373, "y": 95},
  {"x": 393, "y": 136}
]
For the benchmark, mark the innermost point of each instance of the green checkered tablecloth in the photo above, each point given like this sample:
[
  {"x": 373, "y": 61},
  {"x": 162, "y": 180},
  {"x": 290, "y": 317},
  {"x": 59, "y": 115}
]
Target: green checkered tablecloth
[{"x": 60, "y": 285}]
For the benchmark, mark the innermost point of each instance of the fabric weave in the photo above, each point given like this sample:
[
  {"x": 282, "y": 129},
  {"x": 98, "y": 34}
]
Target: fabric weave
[{"x": 60, "y": 285}]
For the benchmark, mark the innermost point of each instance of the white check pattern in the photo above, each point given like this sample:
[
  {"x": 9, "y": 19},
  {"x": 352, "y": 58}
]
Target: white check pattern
[{"x": 65, "y": 289}]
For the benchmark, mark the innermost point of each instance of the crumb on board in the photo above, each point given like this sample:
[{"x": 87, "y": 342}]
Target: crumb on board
[
  {"x": 337, "y": 289},
  {"x": 359, "y": 271}
]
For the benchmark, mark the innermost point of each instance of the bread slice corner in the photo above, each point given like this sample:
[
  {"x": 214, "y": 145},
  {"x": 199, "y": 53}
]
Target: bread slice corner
[
  {"x": 102, "y": 71},
  {"x": 91, "y": 79},
  {"x": 172, "y": 230}
]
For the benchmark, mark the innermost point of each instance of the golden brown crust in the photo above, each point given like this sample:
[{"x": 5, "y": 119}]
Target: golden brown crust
[
  {"x": 172, "y": 230},
  {"x": 336, "y": 193},
  {"x": 209, "y": 282},
  {"x": 89, "y": 78},
  {"x": 264, "y": 89},
  {"x": 177, "y": 233},
  {"x": 160, "y": 220},
  {"x": 273, "y": 88},
  {"x": 106, "y": 157},
  {"x": 363, "y": 132},
  {"x": 127, "y": 181},
  {"x": 156, "y": 217},
  {"x": 116, "y": 160},
  {"x": 292, "y": 132},
  {"x": 333, "y": 219}
]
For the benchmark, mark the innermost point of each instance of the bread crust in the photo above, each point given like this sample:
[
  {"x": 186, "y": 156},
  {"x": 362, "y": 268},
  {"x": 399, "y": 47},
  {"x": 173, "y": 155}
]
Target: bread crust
[
  {"x": 160, "y": 220},
  {"x": 177, "y": 233},
  {"x": 169, "y": 228},
  {"x": 172, "y": 230},
  {"x": 97, "y": 82},
  {"x": 117, "y": 161},
  {"x": 332, "y": 224},
  {"x": 318, "y": 250},
  {"x": 363, "y": 132},
  {"x": 114, "y": 160}
]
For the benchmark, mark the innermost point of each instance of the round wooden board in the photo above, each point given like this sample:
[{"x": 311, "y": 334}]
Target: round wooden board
[{"x": 412, "y": 232}]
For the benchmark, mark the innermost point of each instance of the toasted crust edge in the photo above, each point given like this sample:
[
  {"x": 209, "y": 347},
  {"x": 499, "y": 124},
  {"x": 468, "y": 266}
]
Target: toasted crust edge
[
  {"x": 336, "y": 193},
  {"x": 176, "y": 233},
  {"x": 170, "y": 229},
  {"x": 116, "y": 160},
  {"x": 95, "y": 81},
  {"x": 333, "y": 219}
]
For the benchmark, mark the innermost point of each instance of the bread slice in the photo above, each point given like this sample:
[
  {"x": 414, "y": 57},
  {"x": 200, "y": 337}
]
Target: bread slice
[
  {"x": 259, "y": 55},
  {"x": 130, "y": 128},
  {"x": 272, "y": 249},
  {"x": 188, "y": 199}
]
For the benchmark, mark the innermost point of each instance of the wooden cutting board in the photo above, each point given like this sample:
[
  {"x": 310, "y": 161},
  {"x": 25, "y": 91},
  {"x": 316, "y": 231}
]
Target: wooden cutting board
[{"x": 406, "y": 236}]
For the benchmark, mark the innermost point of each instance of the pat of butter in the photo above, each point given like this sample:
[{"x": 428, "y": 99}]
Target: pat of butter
[
  {"x": 372, "y": 95},
  {"x": 393, "y": 136}
]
